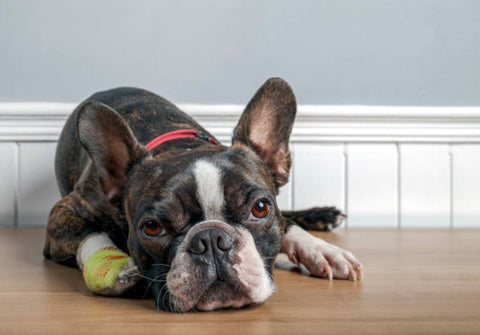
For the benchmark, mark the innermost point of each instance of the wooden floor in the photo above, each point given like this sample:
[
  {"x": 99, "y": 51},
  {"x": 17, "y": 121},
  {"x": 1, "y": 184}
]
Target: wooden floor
[{"x": 416, "y": 281}]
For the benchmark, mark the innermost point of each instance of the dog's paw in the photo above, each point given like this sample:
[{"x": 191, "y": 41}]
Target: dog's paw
[
  {"x": 110, "y": 272},
  {"x": 326, "y": 260},
  {"x": 321, "y": 258},
  {"x": 127, "y": 278},
  {"x": 319, "y": 218}
]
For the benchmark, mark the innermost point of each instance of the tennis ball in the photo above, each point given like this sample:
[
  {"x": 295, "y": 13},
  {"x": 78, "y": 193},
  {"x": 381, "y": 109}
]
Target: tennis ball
[{"x": 101, "y": 269}]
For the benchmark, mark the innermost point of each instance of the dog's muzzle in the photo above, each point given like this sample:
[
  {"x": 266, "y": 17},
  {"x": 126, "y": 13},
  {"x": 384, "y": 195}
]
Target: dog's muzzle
[{"x": 217, "y": 266}]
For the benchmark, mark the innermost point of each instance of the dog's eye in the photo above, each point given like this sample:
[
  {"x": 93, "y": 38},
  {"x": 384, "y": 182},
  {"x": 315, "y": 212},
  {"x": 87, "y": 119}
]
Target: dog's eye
[
  {"x": 152, "y": 228},
  {"x": 261, "y": 209}
]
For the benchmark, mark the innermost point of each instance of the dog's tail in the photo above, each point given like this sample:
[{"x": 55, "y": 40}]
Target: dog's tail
[{"x": 316, "y": 218}]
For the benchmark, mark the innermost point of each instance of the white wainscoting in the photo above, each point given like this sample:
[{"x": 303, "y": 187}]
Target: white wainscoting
[{"x": 385, "y": 166}]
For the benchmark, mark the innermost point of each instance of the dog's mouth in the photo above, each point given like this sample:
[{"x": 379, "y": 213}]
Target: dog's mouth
[
  {"x": 222, "y": 295},
  {"x": 217, "y": 266}
]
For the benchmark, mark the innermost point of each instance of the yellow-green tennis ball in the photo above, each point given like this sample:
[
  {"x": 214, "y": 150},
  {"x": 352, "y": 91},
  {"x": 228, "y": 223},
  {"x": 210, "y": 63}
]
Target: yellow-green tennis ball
[{"x": 100, "y": 271}]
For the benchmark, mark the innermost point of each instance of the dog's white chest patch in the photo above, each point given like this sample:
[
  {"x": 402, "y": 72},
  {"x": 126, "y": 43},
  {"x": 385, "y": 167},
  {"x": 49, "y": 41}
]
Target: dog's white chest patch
[{"x": 208, "y": 178}]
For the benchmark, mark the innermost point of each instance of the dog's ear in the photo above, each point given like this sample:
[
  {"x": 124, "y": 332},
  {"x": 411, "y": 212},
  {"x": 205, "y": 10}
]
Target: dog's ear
[
  {"x": 110, "y": 143},
  {"x": 266, "y": 125}
]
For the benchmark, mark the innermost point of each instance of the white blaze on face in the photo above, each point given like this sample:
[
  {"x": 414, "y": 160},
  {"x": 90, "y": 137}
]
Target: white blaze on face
[{"x": 209, "y": 189}]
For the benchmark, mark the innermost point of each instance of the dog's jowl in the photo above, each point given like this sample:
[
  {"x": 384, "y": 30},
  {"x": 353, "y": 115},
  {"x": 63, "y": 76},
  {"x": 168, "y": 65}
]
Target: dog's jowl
[{"x": 152, "y": 203}]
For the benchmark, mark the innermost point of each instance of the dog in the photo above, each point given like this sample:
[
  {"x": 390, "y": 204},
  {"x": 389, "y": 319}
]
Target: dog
[{"x": 197, "y": 219}]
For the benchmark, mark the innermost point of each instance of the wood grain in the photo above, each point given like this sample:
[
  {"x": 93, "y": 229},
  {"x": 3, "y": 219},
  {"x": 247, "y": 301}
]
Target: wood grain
[{"x": 417, "y": 281}]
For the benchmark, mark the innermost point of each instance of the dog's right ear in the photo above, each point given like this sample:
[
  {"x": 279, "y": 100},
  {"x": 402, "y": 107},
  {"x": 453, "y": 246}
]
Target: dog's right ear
[{"x": 110, "y": 143}]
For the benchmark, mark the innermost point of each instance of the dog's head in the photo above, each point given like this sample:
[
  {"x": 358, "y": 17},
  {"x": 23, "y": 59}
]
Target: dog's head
[{"x": 204, "y": 226}]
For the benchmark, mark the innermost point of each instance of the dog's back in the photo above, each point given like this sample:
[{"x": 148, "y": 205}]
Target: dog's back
[{"x": 147, "y": 114}]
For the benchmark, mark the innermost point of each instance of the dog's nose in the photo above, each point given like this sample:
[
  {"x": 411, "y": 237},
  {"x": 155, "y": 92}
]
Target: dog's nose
[{"x": 217, "y": 239}]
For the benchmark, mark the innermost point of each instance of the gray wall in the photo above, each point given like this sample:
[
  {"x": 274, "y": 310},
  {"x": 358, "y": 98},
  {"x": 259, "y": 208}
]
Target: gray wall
[{"x": 409, "y": 52}]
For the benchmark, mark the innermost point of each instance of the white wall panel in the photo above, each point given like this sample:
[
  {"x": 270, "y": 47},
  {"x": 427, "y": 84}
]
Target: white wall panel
[
  {"x": 425, "y": 185},
  {"x": 38, "y": 190},
  {"x": 372, "y": 185},
  {"x": 8, "y": 173},
  {"x": 284, "y": 199},
  {"x": 319, "y": 175},
  {"x": 466, "y": 185}
]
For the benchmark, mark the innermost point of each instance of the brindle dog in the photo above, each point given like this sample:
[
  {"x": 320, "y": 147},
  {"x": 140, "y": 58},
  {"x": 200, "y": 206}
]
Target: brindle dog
[{"x": 199, "y": 220}]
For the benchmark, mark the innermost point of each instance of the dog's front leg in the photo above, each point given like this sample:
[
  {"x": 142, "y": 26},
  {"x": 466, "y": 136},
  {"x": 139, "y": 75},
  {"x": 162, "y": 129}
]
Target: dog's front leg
[
  {"x": 322, "y": 259},
  {"x": 70, "y": 240}
]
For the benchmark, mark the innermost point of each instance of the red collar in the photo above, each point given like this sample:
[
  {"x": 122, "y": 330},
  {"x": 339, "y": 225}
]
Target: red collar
[{"x": 176, "y": 134}]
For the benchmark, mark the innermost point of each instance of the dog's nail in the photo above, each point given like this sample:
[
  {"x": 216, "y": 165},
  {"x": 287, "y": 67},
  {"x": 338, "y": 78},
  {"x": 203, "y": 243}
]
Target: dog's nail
[
  {"x": 352, "y": 275},
  {"x": 360, "y": 274},
  {"x": 328, "y": 273},
  {"x": 293, "y": 258},
  {"x": 358, "y": 270}
]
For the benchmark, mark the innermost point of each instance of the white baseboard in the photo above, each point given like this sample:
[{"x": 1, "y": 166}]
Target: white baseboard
[{"x": 44, "y": 121}]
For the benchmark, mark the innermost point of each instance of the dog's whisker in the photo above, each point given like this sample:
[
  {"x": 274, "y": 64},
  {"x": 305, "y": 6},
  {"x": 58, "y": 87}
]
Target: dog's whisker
[
  {"x": 156, "y": 279},
  {"x": 160, "y": 264},
  {"x": 162, "y": 294},
  {"x": 149, "y": 285},
  {"x": 171, "y": 303}
]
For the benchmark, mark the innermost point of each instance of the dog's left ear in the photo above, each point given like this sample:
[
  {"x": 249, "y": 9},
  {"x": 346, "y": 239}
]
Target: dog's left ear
[{"x": 266, "y": 125}]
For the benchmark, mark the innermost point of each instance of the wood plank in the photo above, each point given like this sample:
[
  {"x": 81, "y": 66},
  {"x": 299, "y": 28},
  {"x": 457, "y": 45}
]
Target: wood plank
[
  {"x": 425, "y": 185},
  {"x": 405, "y": 291},
  {"x": 466, "y": 185},
  {"x": 372, "y": 185},
  {"x": 38, "y": 190},
  {"x": 319, "y": 175},
  {"x": 8, "y": 168}
]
